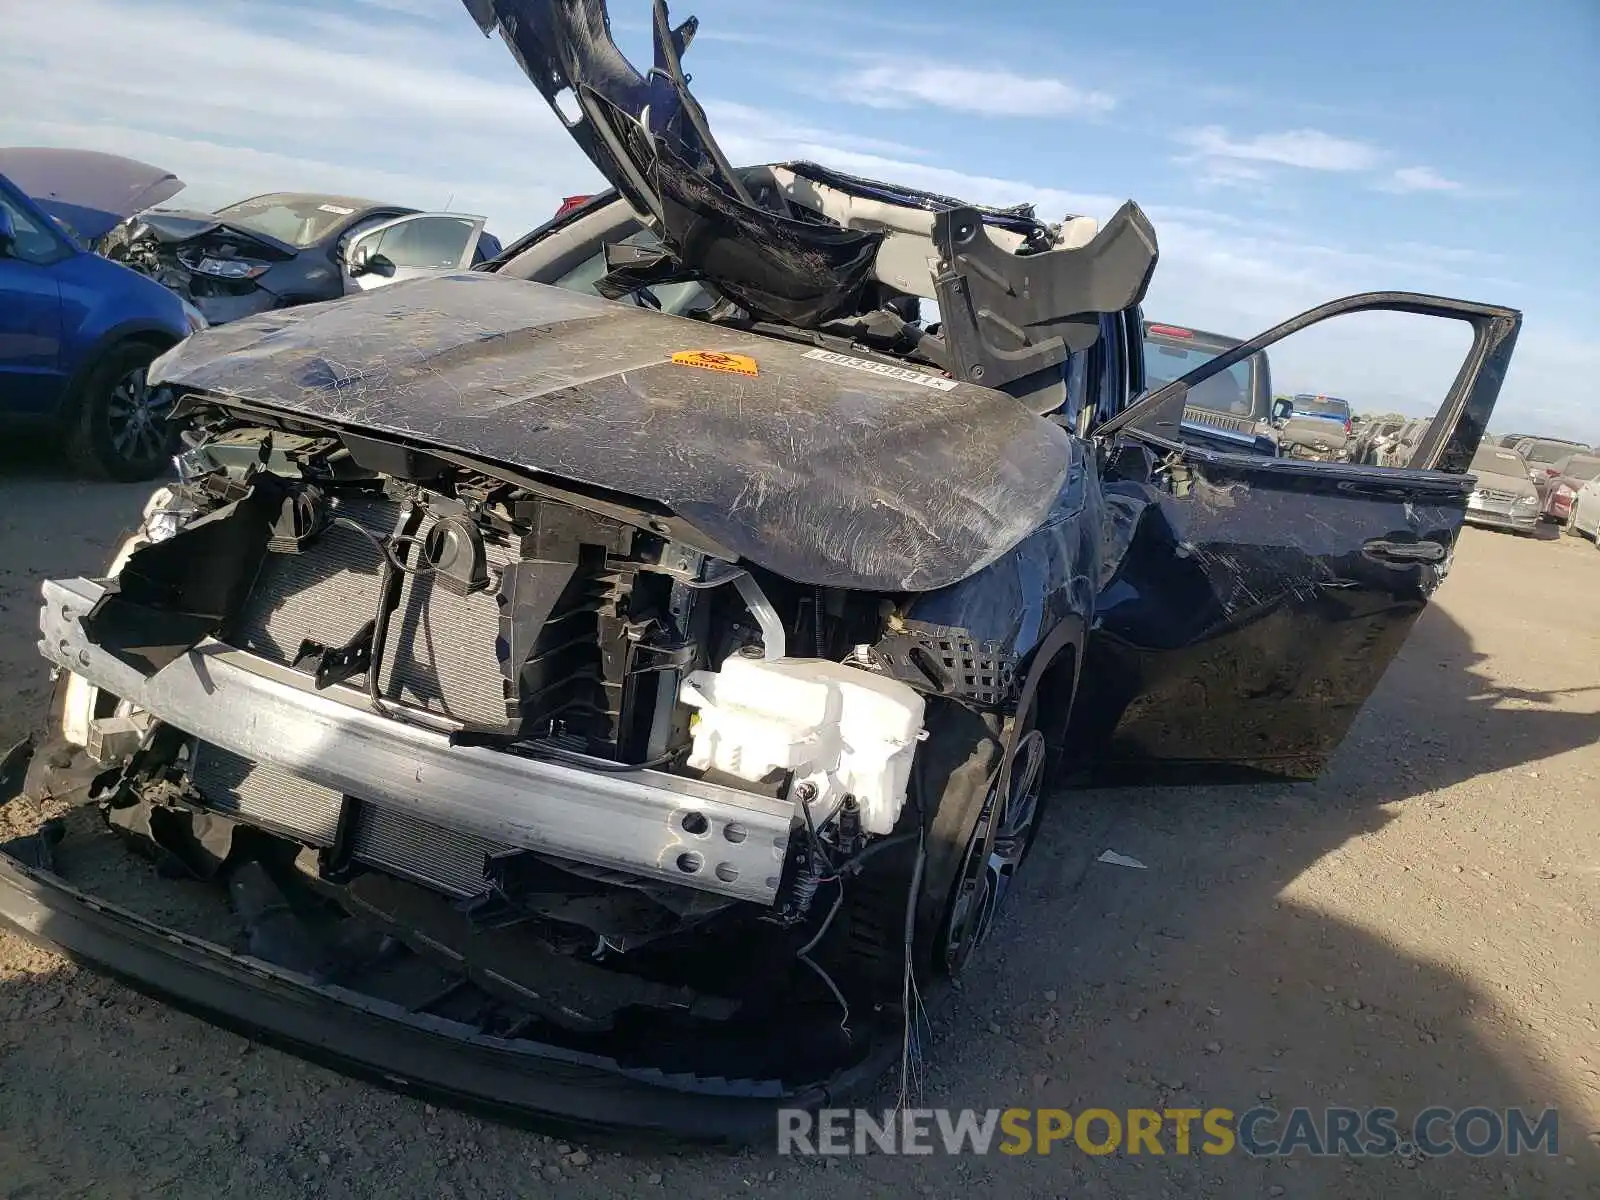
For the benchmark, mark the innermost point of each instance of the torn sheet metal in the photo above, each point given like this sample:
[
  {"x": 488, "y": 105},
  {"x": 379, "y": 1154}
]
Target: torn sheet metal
[{"x": 825, "y": 474}]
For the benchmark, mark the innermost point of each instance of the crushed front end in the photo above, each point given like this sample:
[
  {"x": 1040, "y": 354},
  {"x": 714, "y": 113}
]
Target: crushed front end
[{"x": 477, "y": 791}]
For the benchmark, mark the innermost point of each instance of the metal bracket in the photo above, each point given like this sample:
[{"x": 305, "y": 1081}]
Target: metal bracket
[{"x": 335, "y": 664}]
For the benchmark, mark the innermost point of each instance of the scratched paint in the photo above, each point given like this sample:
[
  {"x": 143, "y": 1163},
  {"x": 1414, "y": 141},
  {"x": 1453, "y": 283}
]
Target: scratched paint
[{"x": 831, "y": 477}]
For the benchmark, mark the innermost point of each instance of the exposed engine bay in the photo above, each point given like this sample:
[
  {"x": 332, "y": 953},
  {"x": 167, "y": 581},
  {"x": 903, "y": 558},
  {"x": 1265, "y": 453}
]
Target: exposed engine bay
[{"x": 730, "y": 747}]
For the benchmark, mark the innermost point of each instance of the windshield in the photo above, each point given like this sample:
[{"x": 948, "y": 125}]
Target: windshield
[
  {"x": 1547, "y": 452},
  {"x": 1230, "y": 391},
  {"x": 1492, "y": 460},
  {"x": 1581, "y": 467},
  {"x": 297, "y": 218},
  {"x": 1321, "y": 406}
]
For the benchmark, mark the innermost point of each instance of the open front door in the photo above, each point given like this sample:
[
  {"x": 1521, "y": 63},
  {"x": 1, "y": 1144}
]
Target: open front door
[{"x": 1252, "y": 604}]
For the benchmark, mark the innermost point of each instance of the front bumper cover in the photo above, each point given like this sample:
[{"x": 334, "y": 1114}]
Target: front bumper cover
[
  {"x": 1522, "y": 522},
  {"x": 509, "y": 1079}
]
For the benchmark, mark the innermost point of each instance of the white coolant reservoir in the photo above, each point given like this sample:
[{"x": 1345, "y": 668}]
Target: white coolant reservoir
[{"x": 842, "y": 729}]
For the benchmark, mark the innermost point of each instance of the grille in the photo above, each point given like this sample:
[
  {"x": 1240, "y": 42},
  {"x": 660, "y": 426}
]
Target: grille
[
  {"x": 440, "y": 651},
  {"x": 1496, "y": 494},
  {"x": 264, "y": 795},
  {"x": 1216, "y": 420}
]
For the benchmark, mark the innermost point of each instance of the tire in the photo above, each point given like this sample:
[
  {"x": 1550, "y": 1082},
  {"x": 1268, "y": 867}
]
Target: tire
[
  {"x": 965, "y": 831},
  {"x": 118, "y": 429}
]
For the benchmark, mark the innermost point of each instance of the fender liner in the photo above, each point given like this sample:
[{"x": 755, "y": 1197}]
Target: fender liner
[{"x": 1069, "y": 634}]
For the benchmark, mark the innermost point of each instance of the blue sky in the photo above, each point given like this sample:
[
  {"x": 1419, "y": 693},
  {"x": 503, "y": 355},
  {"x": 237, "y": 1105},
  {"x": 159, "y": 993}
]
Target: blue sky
[{"x": 1287, "y": 153}]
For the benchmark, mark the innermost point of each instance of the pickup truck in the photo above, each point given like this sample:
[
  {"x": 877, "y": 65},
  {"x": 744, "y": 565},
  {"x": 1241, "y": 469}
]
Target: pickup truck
[
  {"x": 1316, "y": 427},
  {"x": 1231, "y": 410}
]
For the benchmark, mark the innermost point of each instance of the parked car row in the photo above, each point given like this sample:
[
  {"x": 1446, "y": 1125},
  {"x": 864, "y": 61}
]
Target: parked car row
[
  {"x": 1526, "y": 482},
  {"x": 96, "y": 282}
]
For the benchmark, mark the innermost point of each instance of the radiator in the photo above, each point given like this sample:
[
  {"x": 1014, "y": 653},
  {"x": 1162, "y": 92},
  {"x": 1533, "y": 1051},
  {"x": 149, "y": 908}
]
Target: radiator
[
  {"x": 446, "y": 859},
  {"x": 440, "y": 652},
  {"x": 264, "y": 795}
]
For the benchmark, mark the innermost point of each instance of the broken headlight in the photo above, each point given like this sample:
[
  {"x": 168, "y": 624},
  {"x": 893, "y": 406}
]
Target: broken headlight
[{"x": 229, "y": 268}]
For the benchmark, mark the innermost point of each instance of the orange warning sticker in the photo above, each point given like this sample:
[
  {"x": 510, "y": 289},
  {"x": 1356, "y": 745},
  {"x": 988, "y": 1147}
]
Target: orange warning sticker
[{"x": 713, "y": 360}]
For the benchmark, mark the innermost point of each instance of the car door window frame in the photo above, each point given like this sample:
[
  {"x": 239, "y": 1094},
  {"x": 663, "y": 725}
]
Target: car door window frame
[
  {"x": 1457, "y": 425},
  {"x": 380, "y": 231},
  {"x": 24, "y": 216}
]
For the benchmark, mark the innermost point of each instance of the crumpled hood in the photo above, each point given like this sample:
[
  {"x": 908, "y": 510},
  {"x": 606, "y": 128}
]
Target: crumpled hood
[
  {"x": 827, "y": 469},
  {"x": 175, "y": 226},
  {"x": 88, "y": 190}
]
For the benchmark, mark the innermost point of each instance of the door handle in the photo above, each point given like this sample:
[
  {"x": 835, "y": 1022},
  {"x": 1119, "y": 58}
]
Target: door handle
[{"x": 1404, "y": 552}]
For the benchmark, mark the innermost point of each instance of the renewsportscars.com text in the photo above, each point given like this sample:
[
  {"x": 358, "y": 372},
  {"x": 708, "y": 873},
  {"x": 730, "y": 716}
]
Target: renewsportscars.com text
[{"x": 1261, "y": 1131}]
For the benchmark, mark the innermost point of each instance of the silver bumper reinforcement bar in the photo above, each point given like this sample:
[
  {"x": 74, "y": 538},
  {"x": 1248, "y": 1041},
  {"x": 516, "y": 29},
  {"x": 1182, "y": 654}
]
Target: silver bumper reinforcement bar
[{"x": 647, "y": 823}]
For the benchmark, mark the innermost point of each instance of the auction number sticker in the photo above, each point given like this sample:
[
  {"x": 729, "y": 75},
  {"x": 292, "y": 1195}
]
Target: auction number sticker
[
  {"x": 713, "y": 360},
  {"x": 878, "y": 368}
]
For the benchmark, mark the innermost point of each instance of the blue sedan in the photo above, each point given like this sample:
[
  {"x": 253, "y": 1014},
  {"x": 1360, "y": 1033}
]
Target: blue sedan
[{"x": 78, "y": 331}]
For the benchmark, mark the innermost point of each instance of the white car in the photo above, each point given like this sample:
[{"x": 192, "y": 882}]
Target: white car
[{"x": 1585, "y": 518}]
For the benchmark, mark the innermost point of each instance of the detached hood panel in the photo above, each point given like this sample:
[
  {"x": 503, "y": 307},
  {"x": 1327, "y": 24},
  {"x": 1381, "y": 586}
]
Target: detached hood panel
[
  {"x": 827, "y": 470},
  {"x": 89, "y": 190}
]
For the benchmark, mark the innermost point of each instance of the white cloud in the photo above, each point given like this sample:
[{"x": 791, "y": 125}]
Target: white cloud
[
  {"x": 1420, "y": 179},
  {"x": 238, "y": 100},
  {"x": 1216, "y": 173},
  {"x": 988, "y": 92},
  {"x": 748, "y": 134},
  {"x": 1308, "y": 149}
]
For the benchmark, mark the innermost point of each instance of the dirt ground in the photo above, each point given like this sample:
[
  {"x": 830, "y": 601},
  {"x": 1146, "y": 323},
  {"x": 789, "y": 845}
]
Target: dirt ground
[{"x": 1420, "y": 927}]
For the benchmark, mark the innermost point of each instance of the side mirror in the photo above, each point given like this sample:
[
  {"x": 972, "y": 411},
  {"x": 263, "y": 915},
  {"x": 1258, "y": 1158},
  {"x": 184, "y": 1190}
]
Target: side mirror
[
  {"x": 367, "y": 262},
  {"x": 8, "y": 231},
  {"x": 1282, "y": 409}
]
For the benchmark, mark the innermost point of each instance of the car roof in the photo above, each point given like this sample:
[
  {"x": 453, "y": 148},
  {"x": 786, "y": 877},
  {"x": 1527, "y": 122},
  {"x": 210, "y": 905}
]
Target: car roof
[{"x": 358, "y": 203}]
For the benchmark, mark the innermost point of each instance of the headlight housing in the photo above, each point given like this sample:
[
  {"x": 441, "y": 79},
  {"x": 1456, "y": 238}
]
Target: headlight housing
[{"x": 230, "y": 268}]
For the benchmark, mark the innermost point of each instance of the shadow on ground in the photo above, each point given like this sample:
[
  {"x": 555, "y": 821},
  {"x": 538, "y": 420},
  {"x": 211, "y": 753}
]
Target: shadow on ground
[{"x": 1195, "y": 983}]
